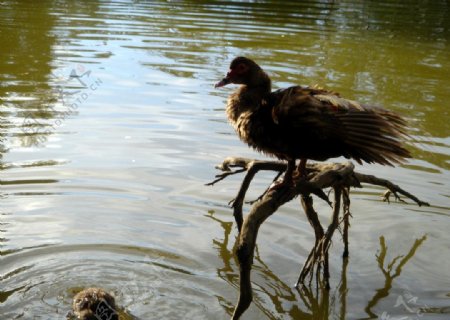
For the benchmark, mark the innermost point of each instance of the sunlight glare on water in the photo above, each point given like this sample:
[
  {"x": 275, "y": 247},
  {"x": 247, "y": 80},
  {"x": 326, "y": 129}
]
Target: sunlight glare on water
[{"x": 110, "y": 127}]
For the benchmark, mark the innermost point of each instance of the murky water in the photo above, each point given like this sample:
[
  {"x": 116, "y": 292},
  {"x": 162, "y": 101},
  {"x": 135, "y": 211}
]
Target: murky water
[{"x": 110, "y": 127}]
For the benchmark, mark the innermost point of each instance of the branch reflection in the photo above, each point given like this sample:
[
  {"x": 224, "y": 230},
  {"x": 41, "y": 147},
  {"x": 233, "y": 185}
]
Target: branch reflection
[
  {"x": 275, "y": 298},
  {"x": 389, "y": 272}
]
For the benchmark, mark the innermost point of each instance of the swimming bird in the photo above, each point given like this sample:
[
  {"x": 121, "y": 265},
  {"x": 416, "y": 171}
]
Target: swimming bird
[
  {"x": 301, "y": 123},
  {"x": 93, "y": 304}
]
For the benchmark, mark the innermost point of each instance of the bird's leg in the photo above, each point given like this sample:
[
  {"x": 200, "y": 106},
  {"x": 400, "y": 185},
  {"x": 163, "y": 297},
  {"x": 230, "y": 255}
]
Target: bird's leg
[
  {"x": 301, "y": 170},
  {"x": 287, "y": 178}
]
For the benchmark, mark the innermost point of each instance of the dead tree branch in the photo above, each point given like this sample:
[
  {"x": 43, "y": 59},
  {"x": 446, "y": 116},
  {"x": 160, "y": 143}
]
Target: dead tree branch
[{"x": 338, "y": 176}]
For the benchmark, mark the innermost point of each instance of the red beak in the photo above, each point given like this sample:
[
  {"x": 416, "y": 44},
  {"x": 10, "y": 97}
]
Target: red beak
[{"x": 222, "y": 82}]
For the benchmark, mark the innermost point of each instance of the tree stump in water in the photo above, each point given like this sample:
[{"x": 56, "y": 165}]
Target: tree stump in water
[{"x": 337, "y": 176}]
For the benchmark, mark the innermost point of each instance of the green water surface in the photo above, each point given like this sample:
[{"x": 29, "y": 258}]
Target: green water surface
[{"x": 110, "y": 127}]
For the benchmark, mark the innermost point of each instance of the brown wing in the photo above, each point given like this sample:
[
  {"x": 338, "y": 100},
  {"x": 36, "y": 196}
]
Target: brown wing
[{"x": 322, "y": 125}]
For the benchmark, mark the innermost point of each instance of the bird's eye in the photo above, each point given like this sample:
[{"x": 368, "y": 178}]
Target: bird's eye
[{"x": 241, "y": 68}]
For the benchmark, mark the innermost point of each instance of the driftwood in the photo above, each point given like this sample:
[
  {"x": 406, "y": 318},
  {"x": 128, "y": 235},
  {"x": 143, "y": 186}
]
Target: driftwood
[{"x": 337, "y": 176}]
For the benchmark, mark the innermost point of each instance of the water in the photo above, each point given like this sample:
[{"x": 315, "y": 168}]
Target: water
[{"x": 110, "y": 127}]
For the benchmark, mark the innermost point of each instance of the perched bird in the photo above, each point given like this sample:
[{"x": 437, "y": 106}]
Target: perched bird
[{"x": 309, "y": 123}]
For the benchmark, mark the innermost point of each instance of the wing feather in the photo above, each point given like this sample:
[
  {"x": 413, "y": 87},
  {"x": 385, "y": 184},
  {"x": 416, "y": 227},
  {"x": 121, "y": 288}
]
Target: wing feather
[{"x": 344, "y": 127}]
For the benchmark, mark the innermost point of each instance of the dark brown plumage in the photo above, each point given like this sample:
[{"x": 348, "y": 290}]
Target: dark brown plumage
[{"x": 309, "y": 123}]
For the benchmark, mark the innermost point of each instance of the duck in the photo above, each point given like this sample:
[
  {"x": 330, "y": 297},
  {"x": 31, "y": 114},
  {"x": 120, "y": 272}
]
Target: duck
[
  {"x": 302, "y": 123},
  {"x": 93, "y": 304}
]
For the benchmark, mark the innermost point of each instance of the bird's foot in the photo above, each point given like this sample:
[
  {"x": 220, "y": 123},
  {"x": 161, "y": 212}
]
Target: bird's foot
[
  {"x": 298, "y": 175},
  {"x": 287, "y": 182},
  {"x": 291, "y": 177},
  {"x": 277, "y": 185}
]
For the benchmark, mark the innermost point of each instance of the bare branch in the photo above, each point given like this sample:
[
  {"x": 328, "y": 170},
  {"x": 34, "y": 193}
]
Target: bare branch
[
  {"x": 392, "y": 188},
  {"x": 338, "y": 176},
  {"x": 224, "y": 175}
]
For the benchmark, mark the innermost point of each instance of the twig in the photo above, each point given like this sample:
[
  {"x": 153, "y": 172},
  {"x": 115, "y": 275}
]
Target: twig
[
  {"x": 392, "y": 188},
  {"x": 224, "y": 175}
]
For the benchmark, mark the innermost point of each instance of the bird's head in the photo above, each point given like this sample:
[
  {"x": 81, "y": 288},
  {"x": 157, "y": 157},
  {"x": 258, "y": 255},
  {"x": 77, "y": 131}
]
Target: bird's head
[{"x": 243, "y": 71}]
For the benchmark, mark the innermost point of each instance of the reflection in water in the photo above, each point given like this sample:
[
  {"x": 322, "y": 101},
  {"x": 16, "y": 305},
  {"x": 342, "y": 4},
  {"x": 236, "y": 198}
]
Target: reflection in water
[
  {"x": 39, "y": 90},
  {"x": 148, "y": 126},
  {"x": 305, "y": 302},
  {"x": 26, "y": 68},
  {"x": 387, "y": 268}
]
